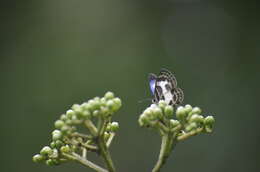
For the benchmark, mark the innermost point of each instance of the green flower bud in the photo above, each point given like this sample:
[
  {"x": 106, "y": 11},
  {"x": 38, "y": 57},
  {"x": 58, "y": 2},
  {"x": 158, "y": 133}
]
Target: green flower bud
[
  {"x": 68, "y": 122},
  {"x": 65, "y": 149},
  {"x": 86, "y": 106},
  {"x": 75, "y": 107},
  {"x": 188, "y": 108},
  {"x": 38, "y": 158},
  {"x": 110, "y": 103},
  {"x": 196, "y": 110},
  {"x": 104, "y": 110},
  {"x": 181, "y": 113},
  {"x": 196, "y": 118},
  {"x": 148, "y": 111},
  {"x": 63, "y": 117},
  {"x": 209, "y": 120},
  {"x": 143, "y": 120},
  {"x": 96, "y": 113},
  {"x": 58, "y": 143},
  {"x": 103, "y": 101},
  {"x": 54, "y": 154},
  {"x": 174, "y": 123},
  {"x": 118, "y": 103},
  {"x": 65, "y": 129},
  {"x": 46, "y": 150},
  {"x": 94, "y": 104},
  {"x": 86, "y": 114},
  {"x": 58, "y": 124},
  {"x": 114, "y": 126},
  {"x": 168, "y": 111},
  {"x": 70, "y": 113},
  {"x": 50, "y": 162},
  {"x": 157, "y": 112},
  {"x": 56, "y": 135},
  {"x": 53, "y": 145},
  {"x": 109, "y": 95},
  {"x": 162, "y": 104},
  {"x": 191, "y": 126}
]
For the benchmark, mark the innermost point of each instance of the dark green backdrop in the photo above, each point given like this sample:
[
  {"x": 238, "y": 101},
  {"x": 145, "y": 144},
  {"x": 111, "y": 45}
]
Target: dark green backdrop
[{"x": 55, "y": 53}]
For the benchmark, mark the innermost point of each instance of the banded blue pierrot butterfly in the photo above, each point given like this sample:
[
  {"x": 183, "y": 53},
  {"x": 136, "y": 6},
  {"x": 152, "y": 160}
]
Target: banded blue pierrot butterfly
[{"x": 164, "y": 87}]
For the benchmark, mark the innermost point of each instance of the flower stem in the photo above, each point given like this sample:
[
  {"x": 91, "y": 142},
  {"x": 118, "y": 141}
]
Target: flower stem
[
  {"x": 166, "y": 148},
  {"x": 84, "y": 162},
  {"x": 106, "y": 155}
]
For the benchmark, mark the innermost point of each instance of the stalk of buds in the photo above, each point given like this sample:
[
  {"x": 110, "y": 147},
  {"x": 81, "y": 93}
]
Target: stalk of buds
[
  {"x": 186, "y": 122},
  {"x": 68, "y": 143}
]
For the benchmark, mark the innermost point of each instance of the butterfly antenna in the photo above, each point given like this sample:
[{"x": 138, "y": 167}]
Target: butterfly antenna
[{"x": 147, "y": 99}]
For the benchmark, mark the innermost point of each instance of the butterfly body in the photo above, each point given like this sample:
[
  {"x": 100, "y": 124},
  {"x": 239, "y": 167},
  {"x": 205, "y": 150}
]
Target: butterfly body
[{"x": 164, "y": 87}]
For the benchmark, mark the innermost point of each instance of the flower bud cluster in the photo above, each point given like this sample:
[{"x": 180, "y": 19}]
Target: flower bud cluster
[
  {"x": 192, "y": 119},
  {"x": 187, "y": 118},
  {"x": 65, "y": 138}
]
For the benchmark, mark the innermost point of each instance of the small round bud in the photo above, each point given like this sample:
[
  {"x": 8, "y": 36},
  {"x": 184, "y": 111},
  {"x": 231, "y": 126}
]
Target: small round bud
[
  {"x": 162, "y": 104},
  {"x": 168, "y": 111},
  {"x": 68, "y": 122},
  {"x": 114, "y": 126},
  {"x": 117, "y": 102},
  {"x": 110, "y": 104},
  {"x": 209, "y": 120},
  {"x": 53, "y": 145},
  {"x": 93, "y": 104},
  {"x": 109, "y": 95},
  {"x": 103, "y": 101},
  {"x": 196, "y": 110},
  {"x": 143, "y": 120},
  {"x": 188, "y": 108},
  {"x": 181, "y": 113},
  {"x": 174, "y": 123},
  {"x": 148, "y": 111},
  {"x": 65, "y": 128},
  {"x": 86, "y": 106},
  {"x": 75, "y": 107},
  {"x": 58, "y": 124},
  {"x": 65, "y": 149},
  {"x": 96, "y": 113},
  {"x": 191, "y": 126},
  {"x": 56, "y": 135},
  {"x": 38, "y": 158},
  {"x": 86, "y": 114},
  {"x": 196, "y": 118},
  {"x": 104, "y": 110},
  {"x": 58, "y": 143},
  {"x": 50, "y": 162},
  {"x": 46, "y": 150},
  {"x": 63, "y": 117},
  {"x": 70, "y": 113},
  {"x": 157, "y": 112},
  {"x": 54, "y": 154}
]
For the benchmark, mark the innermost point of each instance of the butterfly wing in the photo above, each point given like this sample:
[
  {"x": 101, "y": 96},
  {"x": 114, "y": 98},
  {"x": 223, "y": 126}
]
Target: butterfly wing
[{"x": 152, "y": 79}]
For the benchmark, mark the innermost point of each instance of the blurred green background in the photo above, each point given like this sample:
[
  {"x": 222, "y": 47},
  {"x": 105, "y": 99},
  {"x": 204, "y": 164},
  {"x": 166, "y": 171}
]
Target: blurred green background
[{"x": 57, "y": 53}]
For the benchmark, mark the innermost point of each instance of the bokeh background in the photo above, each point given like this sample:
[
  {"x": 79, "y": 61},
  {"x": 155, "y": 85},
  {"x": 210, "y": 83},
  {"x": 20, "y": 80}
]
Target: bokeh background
[{"x": 57, "y": 53}]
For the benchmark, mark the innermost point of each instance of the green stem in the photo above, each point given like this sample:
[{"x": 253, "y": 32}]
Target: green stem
[
  {"x": 166, "y": 148},
  {"x": 105, "y": 154},
  {"x": 189, "y": 134},
  {"x": 84, "y": 162}
]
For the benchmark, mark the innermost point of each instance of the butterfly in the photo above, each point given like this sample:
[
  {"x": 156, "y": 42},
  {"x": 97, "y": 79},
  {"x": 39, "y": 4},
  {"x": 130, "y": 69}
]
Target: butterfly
[{"x": 164, "y": 87}]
